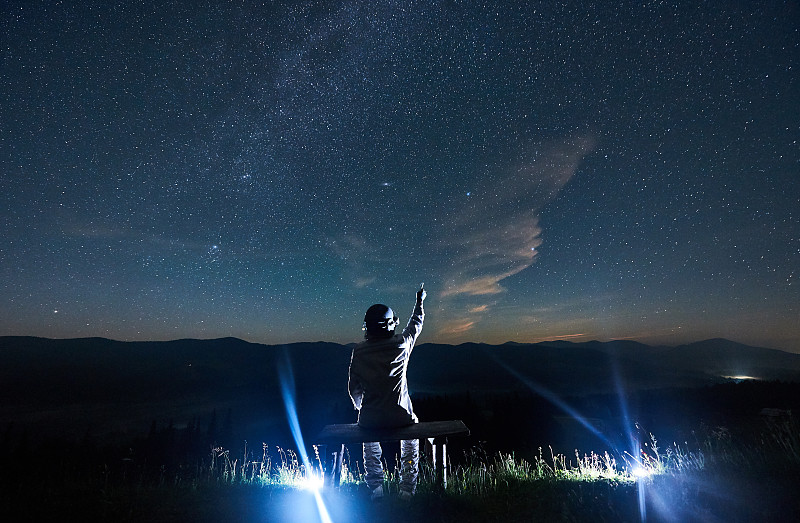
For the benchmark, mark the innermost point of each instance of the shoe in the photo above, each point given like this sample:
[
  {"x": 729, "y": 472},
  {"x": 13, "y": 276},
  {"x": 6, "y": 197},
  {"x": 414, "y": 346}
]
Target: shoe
[
  {"x": 377, "y": 493},
  {"x": 405, "y": 495}
]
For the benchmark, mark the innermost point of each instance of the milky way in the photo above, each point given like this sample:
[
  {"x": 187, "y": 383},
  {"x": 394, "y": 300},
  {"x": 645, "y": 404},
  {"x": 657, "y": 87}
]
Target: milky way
[{"x": 575, "y": 171}]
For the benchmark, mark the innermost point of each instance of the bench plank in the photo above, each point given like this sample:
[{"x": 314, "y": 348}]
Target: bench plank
[{"x": 352, "y": 433}]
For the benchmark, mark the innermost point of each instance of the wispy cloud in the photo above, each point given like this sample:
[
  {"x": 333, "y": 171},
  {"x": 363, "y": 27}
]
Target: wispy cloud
[
  {"x": 479, "y": 308},
  {"x": 457, "y": 327},
  {"x": 559, "y": 337},
  {"x": 356, "y": 256},
  {"x": 364, "y": 282},
  {"x": 492, "y": 255},
  {"x": 497, "y": 234}
]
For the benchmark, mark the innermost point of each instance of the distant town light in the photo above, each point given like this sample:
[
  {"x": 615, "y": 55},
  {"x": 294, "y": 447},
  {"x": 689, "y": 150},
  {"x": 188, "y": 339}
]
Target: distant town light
[{"x": 741, "y": 378}]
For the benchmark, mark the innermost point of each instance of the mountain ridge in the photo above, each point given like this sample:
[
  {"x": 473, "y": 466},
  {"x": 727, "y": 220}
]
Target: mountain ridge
[
  {"x": 564, "y": 367},
  {"x": 67, "y": 385}
]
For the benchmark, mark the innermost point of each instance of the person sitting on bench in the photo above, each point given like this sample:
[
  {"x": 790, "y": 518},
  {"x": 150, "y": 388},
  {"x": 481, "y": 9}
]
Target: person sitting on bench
[{"x": 379, "y": 390}]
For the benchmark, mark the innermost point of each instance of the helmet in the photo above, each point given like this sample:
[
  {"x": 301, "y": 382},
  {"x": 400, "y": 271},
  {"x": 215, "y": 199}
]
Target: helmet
[{"x": 380, "y": 319}]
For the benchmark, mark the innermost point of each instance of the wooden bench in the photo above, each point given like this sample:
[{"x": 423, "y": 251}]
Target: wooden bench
[{"x": 435, "y": 432}]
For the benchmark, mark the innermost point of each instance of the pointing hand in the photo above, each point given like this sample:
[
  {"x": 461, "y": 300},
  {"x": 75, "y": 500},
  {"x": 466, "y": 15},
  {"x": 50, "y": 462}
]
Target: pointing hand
[{"x": 421, "y": 294}]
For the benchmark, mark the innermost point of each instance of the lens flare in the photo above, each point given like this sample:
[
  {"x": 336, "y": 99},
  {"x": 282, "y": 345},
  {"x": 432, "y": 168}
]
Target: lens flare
[
  {"x": 638, "y": 471},
  {"x": 312, "y": 482},
  {"x": 558, "y": 402}
]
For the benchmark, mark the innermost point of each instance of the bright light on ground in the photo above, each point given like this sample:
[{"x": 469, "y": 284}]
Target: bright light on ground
[
  {"x": 312, "y": 482},
  {"x": 642, "y": 472}
]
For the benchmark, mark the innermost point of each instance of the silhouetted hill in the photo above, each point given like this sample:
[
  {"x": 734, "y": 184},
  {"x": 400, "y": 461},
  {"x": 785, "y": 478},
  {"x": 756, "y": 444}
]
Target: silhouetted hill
[
  {"x": 558, "y": 367},
  {"x": 105, "y": 383},
  {"x": 727, "y": 358},
  {"x": 77, "y": 369},
  {"x": 63, "y": 370},
  {"x": 74, "y": 385}
]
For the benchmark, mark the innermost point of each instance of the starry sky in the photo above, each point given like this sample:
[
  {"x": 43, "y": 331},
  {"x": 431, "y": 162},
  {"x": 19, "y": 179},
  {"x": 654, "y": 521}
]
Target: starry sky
[{"x": 267, "y": 170}]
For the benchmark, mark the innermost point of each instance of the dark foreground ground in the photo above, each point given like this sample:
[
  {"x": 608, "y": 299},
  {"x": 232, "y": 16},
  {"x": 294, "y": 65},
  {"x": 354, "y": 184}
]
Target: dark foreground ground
[
  {"x": 749, "y": 470},
  {"x": 702, "y": 496}
]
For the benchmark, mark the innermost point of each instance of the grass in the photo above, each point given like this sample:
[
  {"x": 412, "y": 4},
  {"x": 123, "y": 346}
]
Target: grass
[{"x": 724, "y": 477}]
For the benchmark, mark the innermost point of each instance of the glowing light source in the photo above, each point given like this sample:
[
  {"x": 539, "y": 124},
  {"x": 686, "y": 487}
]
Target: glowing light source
[
  {"x": 640, "y": 472},
  {"x": 311, "y": 482}
]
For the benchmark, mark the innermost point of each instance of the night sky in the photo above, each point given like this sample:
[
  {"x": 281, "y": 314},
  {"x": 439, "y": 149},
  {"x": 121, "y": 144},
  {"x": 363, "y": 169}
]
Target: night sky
[{"x": 562, "y": 170}]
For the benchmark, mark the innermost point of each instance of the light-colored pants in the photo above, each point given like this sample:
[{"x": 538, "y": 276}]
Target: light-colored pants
[{"x": 409, "y": 457}]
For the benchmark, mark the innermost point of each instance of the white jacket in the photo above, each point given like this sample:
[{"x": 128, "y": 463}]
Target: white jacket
[{"x": 377, "y": 384}]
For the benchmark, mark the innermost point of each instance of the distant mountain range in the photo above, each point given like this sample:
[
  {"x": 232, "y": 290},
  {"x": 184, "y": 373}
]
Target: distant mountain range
[
  {"x": 594, "y": 367},
  {"x": 146, "y": 380}
]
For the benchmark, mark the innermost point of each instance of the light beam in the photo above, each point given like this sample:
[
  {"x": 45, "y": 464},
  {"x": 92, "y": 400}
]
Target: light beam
[{"x": 312, "y": 481}]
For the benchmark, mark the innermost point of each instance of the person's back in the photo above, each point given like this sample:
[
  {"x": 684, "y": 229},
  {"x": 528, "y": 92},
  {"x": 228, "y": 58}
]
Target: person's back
[
  {"x": 379, "y": 388},
  {"x": 378, "y": 375}
]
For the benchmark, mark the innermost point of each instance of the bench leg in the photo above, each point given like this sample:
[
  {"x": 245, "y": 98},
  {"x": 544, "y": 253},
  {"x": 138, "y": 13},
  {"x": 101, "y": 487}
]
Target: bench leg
[
  {"x": 336, "y": 469},
  {"x": 440, "y": 464}
]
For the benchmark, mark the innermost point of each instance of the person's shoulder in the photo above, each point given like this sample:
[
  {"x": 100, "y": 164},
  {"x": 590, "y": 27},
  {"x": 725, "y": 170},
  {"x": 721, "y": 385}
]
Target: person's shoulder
[
  {"x": 373, "y": 344},
  {"x": 369, "y": 343}
]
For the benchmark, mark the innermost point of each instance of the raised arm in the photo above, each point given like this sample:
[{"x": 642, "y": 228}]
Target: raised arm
[{"x": 414, "y": 327}]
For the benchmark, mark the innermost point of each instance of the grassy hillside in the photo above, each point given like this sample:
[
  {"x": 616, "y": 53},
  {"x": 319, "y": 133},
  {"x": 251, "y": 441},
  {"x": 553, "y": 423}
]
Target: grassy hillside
[{"x": 718, "y": 477}]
